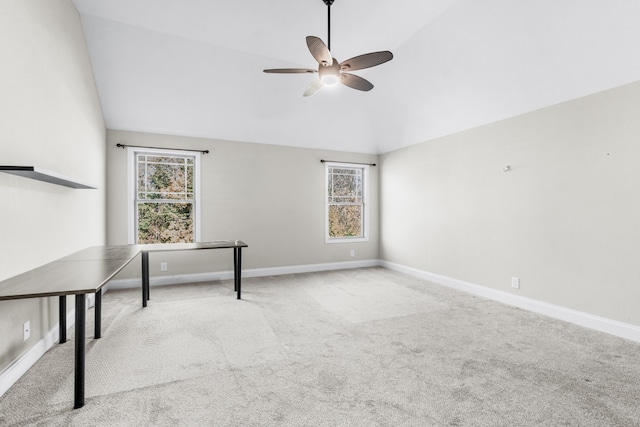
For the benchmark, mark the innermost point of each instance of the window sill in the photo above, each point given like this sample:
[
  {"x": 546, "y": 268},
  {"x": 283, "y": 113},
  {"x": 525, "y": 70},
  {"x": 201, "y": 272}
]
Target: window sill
[{"x": 346, "y": 240}]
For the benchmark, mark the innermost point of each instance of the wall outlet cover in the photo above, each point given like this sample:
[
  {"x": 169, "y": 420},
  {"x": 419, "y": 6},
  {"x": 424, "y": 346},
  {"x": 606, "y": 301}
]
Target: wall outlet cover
[{"x": 26, "y": 330}]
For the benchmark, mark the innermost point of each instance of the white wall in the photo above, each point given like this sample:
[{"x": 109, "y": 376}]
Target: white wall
[
  {"x": 565, "y": 218},
  {"x": 272, "y": 197},
  {"x": 50, "y": 117}
]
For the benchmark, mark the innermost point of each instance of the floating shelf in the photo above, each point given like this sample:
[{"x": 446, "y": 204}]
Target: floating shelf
[{"x": 44, "y": 175}]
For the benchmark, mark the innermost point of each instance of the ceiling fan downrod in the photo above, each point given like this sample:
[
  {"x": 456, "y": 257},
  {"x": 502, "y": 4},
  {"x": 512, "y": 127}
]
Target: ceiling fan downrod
[{"x": 328, "y": 3}]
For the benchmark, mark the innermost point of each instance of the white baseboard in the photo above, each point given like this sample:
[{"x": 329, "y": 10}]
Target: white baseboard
[
  {"x": 13, "y": 372},
  {"x": 310, "y": 268},
  {"x": 602, "y": 324},
  {"x": 228, "y": 275},
  {"x": 21, "y": 365}
]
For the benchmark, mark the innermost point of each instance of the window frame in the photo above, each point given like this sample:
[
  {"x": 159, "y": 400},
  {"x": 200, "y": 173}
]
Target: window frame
[
  {"x": 365, "y": 203},
  {"x": 132, "y": 179}
]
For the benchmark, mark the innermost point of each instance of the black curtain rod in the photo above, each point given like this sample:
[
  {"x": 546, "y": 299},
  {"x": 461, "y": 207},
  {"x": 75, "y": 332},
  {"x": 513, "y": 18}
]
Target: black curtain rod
[
  {"x": 350, "y": 163},
  {"x": 162, "y": 148}
]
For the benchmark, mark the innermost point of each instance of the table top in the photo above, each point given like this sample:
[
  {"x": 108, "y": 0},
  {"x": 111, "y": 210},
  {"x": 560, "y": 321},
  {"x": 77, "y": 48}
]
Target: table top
[
  {"x": 216, "y": 244},
  {"x": 88, "y": 270},
  {"x": 85, "y": 271},
  {"x": 95, "y": 253}
]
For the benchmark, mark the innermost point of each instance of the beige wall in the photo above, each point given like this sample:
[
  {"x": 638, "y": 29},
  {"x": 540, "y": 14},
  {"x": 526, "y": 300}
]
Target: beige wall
[
  {"x": 565, "y": 219},
  {"x": 50, "y": 117},
  {"x": 272, "y": 197}
]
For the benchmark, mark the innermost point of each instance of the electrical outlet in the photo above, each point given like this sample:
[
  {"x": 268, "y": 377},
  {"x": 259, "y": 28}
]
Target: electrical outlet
[
  {"x": 163, "y": 266},
  {"x": 353, "y": 253},
  {"x": 515, "y": 282},
  {"x": 26, "y": 330}
]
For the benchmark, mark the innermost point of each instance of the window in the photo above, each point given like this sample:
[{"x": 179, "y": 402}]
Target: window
[
  {"x": 346, "y": 208},
  {"x": 164, "y": 197}
]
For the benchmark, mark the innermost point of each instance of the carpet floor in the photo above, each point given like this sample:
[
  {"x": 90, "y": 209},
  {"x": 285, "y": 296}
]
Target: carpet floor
[{"x": 362, "y": 347}]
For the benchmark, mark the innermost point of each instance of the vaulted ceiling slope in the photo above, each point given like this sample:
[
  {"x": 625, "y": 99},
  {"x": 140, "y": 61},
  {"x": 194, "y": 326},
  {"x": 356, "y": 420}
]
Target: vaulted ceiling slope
[{"x": 194, "y": 67}]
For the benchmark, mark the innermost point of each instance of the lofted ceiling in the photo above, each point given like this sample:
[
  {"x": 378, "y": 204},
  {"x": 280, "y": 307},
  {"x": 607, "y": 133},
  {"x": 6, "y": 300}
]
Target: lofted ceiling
[{"x": 194, "y": 67}]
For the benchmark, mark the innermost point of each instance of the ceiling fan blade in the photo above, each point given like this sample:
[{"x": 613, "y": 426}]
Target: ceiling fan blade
[
  {"x": 355, "y": 82},
  {"x": 319, "y": 51},
  {"x": 315, "y": 86},
  {"x": 367, "y": 60},
  {"x": 290, "y": 70}
]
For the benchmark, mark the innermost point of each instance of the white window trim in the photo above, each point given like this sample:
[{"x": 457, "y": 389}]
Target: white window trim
[
  {"x": 365, "y": 202},
  {"x": 131, "y": 187}
]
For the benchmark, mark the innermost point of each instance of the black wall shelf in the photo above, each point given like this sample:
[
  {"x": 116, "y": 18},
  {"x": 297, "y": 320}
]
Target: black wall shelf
[{"x": 44, "y": 175}]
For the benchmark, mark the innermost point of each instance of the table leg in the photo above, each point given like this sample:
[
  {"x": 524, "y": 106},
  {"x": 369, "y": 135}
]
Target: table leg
[
  {"x": 145, "y": 278},
  {"x": 239, "y": 270},
  {"x": 63, "y": 318},
  {"x": 97, "y": 330},
  {"x": 235, "y": 269},
  {"x": 78, "y": 391}
]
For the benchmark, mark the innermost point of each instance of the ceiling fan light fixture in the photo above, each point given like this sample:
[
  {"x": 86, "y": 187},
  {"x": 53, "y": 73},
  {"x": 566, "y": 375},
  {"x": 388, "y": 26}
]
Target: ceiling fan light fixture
[
  {"x": 329, "y": 80},
  {"x": 330, "y": 75}
]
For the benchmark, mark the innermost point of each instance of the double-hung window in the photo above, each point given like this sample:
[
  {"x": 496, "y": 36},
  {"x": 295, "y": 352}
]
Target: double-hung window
[
  {"x": 164, "y": 201},
  {"x": 346, "y": 202}
]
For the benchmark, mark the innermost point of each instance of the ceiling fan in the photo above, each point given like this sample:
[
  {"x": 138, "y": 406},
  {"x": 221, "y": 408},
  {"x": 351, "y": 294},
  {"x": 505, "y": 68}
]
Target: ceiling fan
[{"x": 330, "y": 71}]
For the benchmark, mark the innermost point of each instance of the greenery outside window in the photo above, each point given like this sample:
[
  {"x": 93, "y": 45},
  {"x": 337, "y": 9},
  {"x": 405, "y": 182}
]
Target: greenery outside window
[
  {"x": 164, "y": 206},
  {"x": 346, "y": 208}
]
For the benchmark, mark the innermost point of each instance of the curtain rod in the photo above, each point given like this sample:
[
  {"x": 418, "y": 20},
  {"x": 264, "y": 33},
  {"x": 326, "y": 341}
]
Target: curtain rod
[
  {"x": 161, "y": 148},
  {"x": 350, "y": 163}
]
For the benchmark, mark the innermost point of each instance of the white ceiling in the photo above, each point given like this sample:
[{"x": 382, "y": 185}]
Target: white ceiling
[{"x": 194, "y": 67}]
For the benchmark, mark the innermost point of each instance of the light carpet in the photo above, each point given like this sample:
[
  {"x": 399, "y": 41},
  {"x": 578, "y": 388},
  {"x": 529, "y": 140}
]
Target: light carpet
[{"x": 362, "y": 347}]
